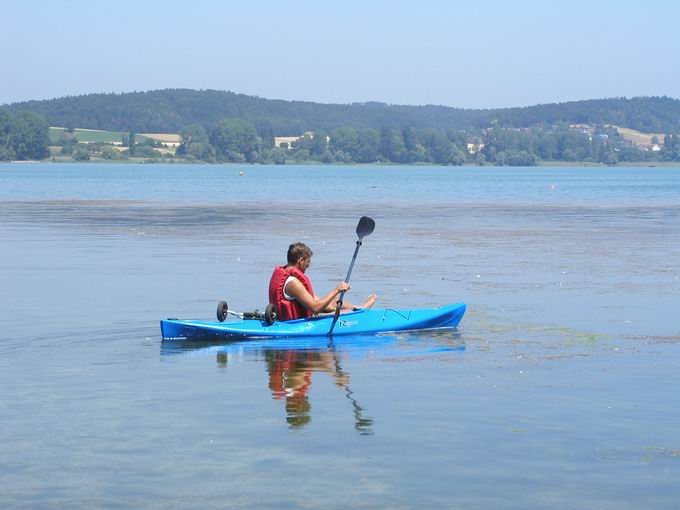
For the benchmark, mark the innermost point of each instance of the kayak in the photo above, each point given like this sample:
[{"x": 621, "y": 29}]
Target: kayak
[{"x": 360, "y": 322}]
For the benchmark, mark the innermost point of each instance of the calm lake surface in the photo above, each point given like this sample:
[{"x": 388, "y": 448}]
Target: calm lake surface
[{"x": 560, "y": 388}]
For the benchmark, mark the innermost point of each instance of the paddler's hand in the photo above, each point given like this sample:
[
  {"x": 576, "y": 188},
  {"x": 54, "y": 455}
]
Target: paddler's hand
[{"x": 342, "y": 287}]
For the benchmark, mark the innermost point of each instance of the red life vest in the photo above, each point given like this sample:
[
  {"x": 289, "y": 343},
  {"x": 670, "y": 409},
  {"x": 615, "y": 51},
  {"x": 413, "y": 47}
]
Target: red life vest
[{"x": 286, "y": 309}]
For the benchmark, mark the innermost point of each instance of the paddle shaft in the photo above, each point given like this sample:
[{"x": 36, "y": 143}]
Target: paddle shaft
[
  {"x": 338, "y": 304},
  {"x": 349, "y": 273},
  {"x": 364, "y": 228}
]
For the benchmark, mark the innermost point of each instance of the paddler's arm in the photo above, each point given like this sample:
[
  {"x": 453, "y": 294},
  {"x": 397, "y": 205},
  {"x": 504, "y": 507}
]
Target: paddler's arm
[
  {"x": 313, "y": 303},
  {"x": 370, "y": 301}
]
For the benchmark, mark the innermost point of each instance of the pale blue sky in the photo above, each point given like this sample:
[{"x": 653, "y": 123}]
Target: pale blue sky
[{"x": 477, "y": 54}]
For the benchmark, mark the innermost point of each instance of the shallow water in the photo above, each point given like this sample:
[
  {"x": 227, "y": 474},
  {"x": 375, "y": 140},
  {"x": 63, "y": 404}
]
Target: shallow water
[{"x": 558, "y": 389}]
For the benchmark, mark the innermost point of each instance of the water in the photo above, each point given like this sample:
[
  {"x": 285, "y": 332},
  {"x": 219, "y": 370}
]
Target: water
[{"x": 558, "y": 389}]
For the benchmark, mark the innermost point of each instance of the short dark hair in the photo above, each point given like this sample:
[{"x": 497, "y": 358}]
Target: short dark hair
[{"x": 296, "y": 251}]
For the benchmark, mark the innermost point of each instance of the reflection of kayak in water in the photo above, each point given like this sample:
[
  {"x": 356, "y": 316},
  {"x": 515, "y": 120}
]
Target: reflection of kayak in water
[
  {"x": 292, "y": 361},
  {"x": 394, "y": 344},
  {"x": 360, "y": 322}
]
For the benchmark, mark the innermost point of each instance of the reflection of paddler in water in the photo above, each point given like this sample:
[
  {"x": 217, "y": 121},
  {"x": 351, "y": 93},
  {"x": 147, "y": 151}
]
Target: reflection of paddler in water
[{"x": 290, "y": 376}]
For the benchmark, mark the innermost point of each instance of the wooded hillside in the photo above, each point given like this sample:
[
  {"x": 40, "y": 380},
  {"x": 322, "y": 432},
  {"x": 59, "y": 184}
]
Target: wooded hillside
[{"x": 170, "y": 110}]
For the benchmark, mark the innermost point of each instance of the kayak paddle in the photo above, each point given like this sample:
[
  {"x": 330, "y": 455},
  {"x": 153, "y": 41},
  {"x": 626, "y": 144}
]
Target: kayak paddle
[{"x": 364, "y": 228}]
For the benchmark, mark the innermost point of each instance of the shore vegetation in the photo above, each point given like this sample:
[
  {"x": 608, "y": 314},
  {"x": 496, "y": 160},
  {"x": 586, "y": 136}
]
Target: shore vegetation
[{"x": 223, "y": 127}]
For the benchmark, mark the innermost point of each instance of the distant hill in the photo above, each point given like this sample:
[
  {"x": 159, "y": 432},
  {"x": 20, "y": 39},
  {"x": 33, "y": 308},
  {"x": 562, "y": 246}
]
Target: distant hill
[{"x": 169, "y": 110}]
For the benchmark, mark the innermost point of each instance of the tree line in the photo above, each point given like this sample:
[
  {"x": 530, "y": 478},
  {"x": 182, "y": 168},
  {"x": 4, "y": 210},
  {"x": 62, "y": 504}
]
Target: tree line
[
  {"x": 23, "y": 136},
  {"x": 238, "y": 141},
  {"x": 169, "y": 110}
]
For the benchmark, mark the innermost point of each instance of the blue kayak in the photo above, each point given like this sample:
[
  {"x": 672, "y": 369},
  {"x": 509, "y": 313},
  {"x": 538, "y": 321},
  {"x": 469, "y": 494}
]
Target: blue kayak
[{"x": 360, "y": 322}]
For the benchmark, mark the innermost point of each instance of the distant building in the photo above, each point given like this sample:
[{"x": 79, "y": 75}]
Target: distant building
[
  {"x": 474, "y": 148},
  {"x": 583, "y": 128},
  {"x": 289, "y": 140}
]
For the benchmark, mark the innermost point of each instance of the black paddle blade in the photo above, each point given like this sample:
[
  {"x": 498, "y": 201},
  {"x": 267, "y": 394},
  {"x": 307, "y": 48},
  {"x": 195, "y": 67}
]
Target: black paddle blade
[{"x": 365, "y": 227}]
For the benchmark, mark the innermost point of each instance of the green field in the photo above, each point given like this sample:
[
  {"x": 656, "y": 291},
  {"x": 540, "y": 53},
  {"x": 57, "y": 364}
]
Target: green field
[{"x": 90, "y": 135}]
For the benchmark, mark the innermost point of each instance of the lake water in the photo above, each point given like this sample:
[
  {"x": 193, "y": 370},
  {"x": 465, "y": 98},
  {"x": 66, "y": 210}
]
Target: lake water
[{"x": 559, "y": 389}]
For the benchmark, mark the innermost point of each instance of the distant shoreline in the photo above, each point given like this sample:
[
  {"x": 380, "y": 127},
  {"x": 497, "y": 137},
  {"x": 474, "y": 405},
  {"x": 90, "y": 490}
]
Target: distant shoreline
[{"x": 540, "y": 164}]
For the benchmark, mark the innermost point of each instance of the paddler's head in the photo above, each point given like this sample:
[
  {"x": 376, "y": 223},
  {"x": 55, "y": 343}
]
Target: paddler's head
[
  {"x": 299, "y": 256},
  {"x": 298, "y": 411}
]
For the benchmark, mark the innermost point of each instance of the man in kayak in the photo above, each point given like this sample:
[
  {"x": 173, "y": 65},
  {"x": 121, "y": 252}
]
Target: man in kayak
[{"x": 291, "y": 292}]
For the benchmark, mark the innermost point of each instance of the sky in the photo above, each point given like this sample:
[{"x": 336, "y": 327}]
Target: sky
[{"x": 474, "y": 54}]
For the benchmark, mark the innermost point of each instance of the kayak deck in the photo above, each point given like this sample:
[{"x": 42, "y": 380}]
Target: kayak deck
[{"x": 360, "y": 322}]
